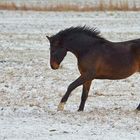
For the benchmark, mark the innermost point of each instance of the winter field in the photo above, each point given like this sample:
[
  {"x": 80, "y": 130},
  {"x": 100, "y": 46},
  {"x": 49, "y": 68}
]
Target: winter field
[{"x": 30, "y": 91}]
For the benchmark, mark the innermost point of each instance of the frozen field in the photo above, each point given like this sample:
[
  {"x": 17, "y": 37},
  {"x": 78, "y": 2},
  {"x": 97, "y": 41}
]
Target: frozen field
[{"x": 30, "y": 91}]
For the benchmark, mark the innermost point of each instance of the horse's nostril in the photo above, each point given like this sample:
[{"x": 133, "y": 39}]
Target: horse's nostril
[{"x": 54, "y": 65}]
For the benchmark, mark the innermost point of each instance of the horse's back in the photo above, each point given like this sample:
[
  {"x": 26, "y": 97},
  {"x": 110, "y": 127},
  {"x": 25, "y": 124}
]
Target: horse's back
[{"x": 112, "y": 61}]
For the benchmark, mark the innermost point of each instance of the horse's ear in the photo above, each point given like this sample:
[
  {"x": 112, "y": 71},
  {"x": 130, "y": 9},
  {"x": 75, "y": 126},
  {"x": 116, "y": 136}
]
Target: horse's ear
[{"x": 48, "y": 37}]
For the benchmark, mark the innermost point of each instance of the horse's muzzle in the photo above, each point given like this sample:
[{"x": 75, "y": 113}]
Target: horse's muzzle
[{"x": 54, "y": 65}]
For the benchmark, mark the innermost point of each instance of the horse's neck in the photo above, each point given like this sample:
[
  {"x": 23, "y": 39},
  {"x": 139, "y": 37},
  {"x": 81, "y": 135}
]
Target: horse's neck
[{"x": 76, "y": 51}]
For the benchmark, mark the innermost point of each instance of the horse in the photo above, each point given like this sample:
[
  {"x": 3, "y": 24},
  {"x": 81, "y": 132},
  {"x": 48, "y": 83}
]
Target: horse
[{"x": 97, "y": 58}]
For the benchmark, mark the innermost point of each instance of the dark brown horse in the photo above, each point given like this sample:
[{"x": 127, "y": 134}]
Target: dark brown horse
[{"x": 97, "y": 58}]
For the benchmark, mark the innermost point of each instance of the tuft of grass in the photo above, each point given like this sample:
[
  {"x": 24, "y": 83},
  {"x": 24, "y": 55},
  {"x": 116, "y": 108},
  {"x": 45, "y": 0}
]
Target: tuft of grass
[
  {"x": 8, "y": 6},
  {"x": 102, "y": 6}
]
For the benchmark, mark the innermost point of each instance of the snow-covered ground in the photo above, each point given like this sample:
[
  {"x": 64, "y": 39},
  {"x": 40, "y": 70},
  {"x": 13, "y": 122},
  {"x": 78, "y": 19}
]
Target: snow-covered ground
[{"x": 30, "y": 91}]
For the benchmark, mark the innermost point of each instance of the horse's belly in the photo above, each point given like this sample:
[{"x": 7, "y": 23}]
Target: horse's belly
[{"x": 112, "y": 77}]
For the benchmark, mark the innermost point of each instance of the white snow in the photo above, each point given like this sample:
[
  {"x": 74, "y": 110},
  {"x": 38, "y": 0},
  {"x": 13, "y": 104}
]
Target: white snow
[{"x": 30, "y": 91}]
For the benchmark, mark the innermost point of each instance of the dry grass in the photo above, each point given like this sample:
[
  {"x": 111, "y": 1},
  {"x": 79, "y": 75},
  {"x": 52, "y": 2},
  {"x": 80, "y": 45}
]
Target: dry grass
[{"x": 102, "y": 6}]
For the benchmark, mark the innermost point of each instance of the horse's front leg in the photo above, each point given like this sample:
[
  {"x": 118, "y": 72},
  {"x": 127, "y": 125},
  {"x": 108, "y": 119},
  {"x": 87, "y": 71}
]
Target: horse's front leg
[
  {"x": 86, "y": 87},
  {"x": 80, "y": 81},
  {"x": 138, "y": 108}
]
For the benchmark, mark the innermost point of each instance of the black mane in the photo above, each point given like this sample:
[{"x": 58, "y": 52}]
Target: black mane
[{"x": 93, "y": 32}]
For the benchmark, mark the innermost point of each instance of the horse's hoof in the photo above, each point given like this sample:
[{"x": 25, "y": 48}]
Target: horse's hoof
[
  {"x": 61, "y": 107},
  {"x": 80, "y": 110},
  {"x": 138, "y": 108}
]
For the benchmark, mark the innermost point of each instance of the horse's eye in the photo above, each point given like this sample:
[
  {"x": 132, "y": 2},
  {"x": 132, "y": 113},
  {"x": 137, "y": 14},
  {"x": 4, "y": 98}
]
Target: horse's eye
[
  {"x": 53, "y": 50},
  {"x": 56, "y": 46},
  {"x": 56, "y": 43}
]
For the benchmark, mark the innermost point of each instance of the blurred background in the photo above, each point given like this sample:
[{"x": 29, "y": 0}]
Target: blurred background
[
  {"x": 60, "y": 5},
  {"x": 76, "y": 2}
]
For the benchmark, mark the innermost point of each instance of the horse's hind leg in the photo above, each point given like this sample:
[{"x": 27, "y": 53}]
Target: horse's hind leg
[
  {"x": 138, "y": 108},
  {"x": 86, "y": 87}
]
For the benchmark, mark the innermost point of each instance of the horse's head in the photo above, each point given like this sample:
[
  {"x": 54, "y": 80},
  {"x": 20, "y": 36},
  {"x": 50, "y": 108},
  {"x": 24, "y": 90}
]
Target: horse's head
[{"x": 57, "y": 51}]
